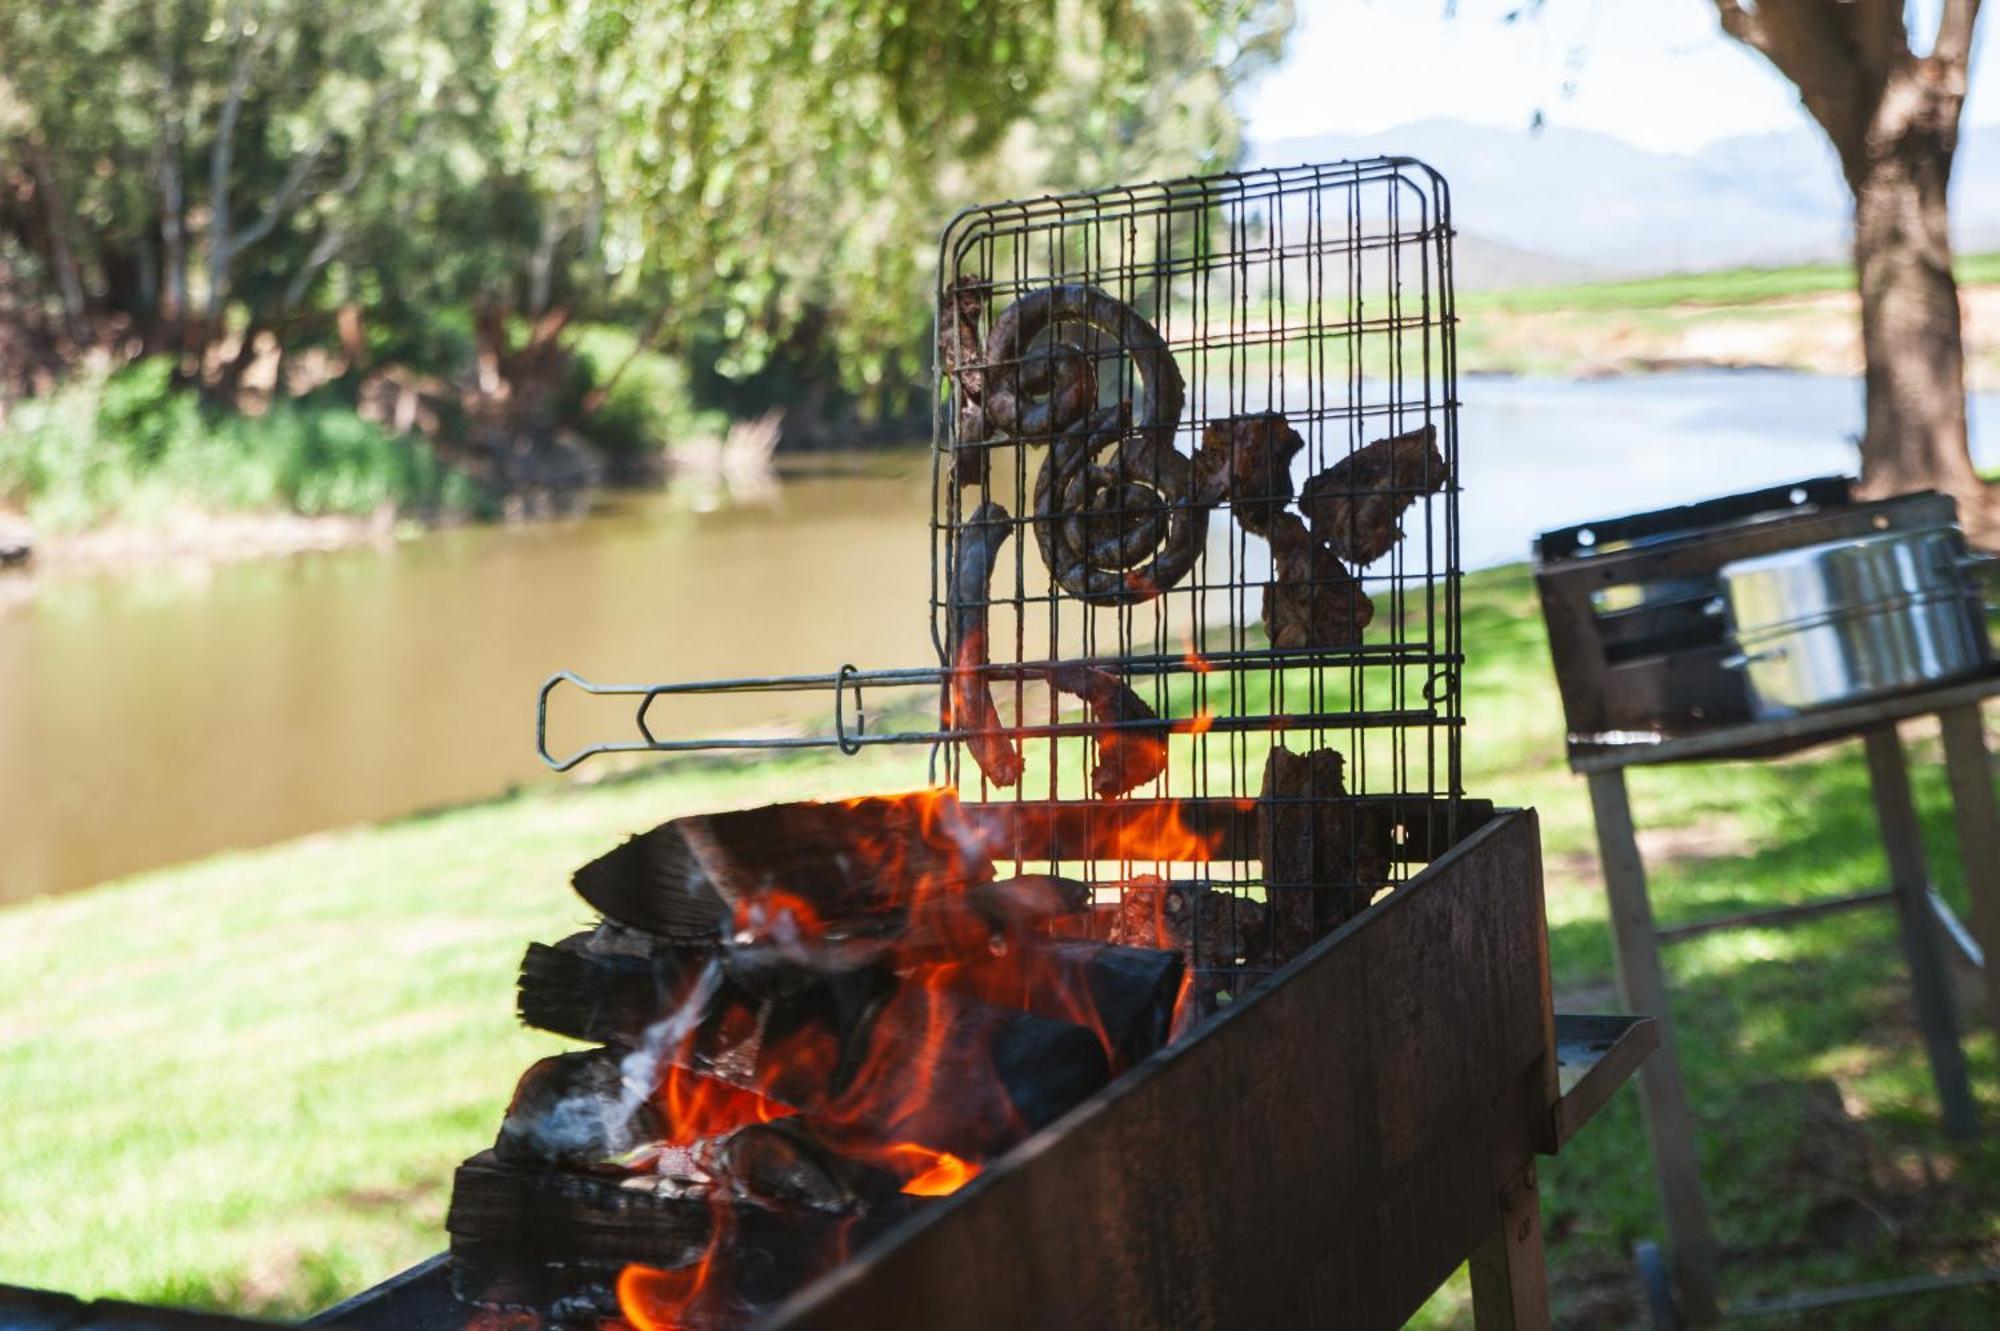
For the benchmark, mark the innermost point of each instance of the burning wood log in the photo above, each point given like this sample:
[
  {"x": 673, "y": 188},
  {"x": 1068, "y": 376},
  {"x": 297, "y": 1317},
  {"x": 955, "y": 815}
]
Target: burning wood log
[
  {"x": 909, "y": 1061},
  {"x": 1314, "y": 602},
  {"x": 1126, "y": 994},
  {"x": 684, "y": 879},
  {"x": 1355, "y": 504},
  {"x": 578, "y": 989},
  {"x": 527, "y": 1237},
  {"x": 1248, "y": 461},
  {"x": 575, "y": 1110},
  {"x": 1324, "y": 856},
  {"x": 589, "y": 989}
]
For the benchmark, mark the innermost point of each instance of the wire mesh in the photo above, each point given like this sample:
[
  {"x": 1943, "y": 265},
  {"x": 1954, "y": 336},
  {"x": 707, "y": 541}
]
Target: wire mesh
[
  {"x": 1194, "y": 547},
  {"x": 1124, "y": 557}
]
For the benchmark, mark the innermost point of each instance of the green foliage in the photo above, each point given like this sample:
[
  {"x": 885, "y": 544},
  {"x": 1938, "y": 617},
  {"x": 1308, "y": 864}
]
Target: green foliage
[
  {"x": 130, "y": 445},
  {"x": 751, "y": 187},
  {"x": 652, "y": 402}
]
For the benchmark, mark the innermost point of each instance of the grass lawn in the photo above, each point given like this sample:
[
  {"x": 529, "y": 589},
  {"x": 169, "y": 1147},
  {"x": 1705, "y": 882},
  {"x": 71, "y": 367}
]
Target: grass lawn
[{"x": 244, "y": 1083}]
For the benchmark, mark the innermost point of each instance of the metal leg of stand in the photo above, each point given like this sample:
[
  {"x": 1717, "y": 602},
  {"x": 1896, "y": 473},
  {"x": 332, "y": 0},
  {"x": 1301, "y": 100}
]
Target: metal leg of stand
[
  {"x": 1978, "y": 818},
  {"x": 1902, "y": 841},
  {"x": 1663, "y": 1096}
]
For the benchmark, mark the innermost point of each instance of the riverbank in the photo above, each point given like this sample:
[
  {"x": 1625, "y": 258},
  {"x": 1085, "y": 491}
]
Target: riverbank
[
  {"x": 1804, "y": 318},
  {"x": 245, "y": 1082},
  {"x": 122, "y": 473}
]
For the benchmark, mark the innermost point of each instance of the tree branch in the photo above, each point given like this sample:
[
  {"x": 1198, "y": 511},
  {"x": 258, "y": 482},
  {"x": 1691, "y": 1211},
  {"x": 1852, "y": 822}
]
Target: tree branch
[
  {"x": 1839, "y": 56},
  {"x": 1953, "y": 46},
  {"x": 287, "y": 191},
  {"x": 1740, "y": 23}
]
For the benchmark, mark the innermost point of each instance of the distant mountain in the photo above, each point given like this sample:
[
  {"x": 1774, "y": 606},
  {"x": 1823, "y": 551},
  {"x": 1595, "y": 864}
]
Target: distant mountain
[{"x": 1567, "y": 196}]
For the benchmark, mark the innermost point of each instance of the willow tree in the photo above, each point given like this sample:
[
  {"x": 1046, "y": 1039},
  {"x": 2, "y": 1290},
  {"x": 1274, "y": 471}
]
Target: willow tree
[
  {"x": 768, "y": 166},
  {"x": 1891, "y": 111}
]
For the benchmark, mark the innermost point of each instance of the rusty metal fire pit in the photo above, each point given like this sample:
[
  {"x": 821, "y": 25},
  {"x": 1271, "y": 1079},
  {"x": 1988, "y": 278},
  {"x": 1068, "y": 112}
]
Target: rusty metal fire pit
[{"x": 1325, "y": 1153}]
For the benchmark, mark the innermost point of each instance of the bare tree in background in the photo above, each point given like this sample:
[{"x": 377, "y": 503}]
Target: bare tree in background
[{"x": 1892, "y": 115}]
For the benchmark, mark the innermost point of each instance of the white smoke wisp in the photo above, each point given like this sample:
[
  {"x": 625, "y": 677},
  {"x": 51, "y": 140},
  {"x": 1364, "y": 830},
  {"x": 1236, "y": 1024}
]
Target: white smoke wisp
[{"x": 639, "y": 1071}]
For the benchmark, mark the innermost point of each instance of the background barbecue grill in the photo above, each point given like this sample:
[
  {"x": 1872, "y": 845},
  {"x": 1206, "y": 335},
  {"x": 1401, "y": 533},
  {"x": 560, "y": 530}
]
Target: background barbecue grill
[
  {"x": 1650, "y": 672},
  {"x": 1323, "y": 293}
]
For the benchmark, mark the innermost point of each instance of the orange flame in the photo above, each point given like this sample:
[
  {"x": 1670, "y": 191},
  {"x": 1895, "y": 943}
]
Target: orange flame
[
  {"x": 1156, "y": 831},
  {"x": 887, "y": 1108},
  {"x": 653, "y": 1299},
  {"x": 1197, "y": 662},
  {"x": 1201, "y": 722},
  {"x": 945, "y": 1174},
  {"x": 696, "y": 1106}
]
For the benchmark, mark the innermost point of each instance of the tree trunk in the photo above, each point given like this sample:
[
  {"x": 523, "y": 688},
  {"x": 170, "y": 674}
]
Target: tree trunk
[
  {"x": 69, "y": 281},
  {"x": 1916, "y": 424}
]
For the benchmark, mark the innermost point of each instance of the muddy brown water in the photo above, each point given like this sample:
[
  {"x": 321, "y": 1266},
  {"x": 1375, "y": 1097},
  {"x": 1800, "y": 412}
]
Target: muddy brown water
[{"x": 155, "y": 715}]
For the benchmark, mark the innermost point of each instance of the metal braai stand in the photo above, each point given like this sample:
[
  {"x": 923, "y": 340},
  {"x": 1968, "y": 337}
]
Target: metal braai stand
[
  {"x": 1195, "y": 601},
  {"x": 1647, "y": 626}
]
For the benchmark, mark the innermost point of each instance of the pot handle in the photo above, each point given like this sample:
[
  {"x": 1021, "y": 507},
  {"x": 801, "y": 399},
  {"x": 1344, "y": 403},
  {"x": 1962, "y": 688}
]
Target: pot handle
[{"x": 1744, "y": 660}]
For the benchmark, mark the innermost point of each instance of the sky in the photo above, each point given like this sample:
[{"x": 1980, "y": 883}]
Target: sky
[{"x": 1658, "y": 73}]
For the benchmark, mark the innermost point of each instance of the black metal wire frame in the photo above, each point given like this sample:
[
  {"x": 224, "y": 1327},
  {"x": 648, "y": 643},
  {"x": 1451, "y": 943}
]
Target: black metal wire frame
[{"x": 1320, "y": 292}]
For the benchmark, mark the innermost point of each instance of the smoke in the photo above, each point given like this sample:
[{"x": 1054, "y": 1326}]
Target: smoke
[{"x": 639, "y": 1071}]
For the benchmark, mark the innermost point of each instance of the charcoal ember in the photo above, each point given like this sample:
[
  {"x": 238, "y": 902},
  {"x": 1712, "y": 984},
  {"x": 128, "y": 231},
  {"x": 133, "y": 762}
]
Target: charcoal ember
[
  {"x": 1248, "y": 461},
  {"x": 781, "y": 1163},
  {"x": 1315, "y": 602},
  {"x": 1324, "y": 854},
  {"x": 1151, "y": 912},
  {"x": 1230, "y": 930},
  {"x": 572, "y": 1110},
  {"x": 1128, "y": 991},
  {"x": 1356, "y": 504}
]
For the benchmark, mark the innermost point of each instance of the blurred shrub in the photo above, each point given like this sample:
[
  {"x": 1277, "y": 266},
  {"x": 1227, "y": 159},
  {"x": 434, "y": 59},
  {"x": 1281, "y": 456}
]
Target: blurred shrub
[
  {"x": 652, "y": 403},
  {"x": 130, "y": 445}
]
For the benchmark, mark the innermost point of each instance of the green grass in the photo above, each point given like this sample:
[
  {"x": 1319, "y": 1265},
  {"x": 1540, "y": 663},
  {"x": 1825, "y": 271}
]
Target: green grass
[
  {"x": 1729, "y": 286},
  {"x": 245, "y": 1082},
  {"x": 131, "y": 448}
]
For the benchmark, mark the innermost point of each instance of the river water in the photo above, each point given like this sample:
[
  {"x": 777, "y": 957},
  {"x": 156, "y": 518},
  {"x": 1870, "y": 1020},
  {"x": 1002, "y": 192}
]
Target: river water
[{"x": 158, "y": 715}]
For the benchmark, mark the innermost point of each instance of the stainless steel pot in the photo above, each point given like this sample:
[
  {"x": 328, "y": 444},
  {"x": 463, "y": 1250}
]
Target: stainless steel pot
[{"x": 1852, "y": 619}]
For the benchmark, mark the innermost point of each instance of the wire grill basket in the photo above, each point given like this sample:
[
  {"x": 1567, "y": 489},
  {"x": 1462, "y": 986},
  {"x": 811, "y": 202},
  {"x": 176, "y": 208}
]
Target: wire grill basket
[{"x": 1194, "y": 545}]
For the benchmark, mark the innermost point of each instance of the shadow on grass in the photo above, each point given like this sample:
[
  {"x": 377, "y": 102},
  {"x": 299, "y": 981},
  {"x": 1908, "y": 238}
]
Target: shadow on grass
[{"x": 1821, "y": 1151}]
